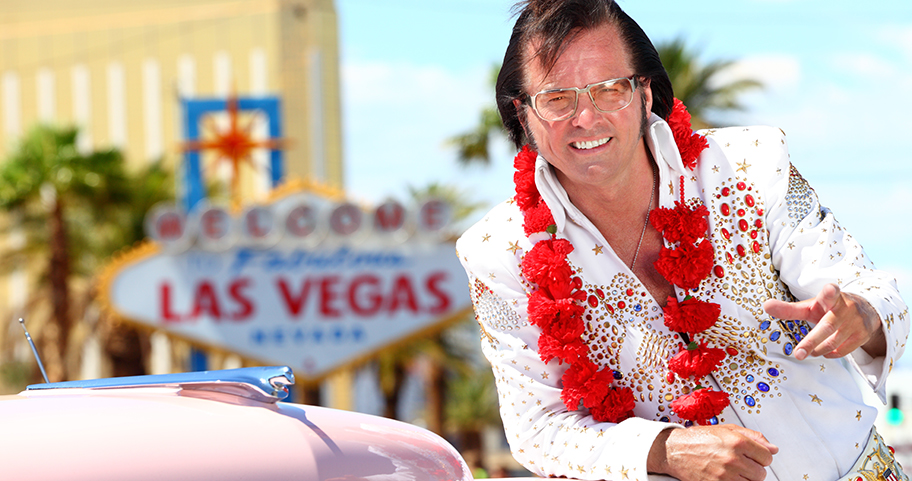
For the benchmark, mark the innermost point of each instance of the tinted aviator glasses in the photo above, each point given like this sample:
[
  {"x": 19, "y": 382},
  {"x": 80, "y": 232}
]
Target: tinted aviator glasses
[{"x": 560, "y": 104}]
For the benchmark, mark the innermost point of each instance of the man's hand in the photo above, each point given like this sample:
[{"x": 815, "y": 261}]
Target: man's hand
[
  {"x": 844, "y": 322},
  {"x": 711, "y": 453}
]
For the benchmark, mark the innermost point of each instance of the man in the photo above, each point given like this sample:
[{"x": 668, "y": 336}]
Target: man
[{"x": 644, "y": 280}]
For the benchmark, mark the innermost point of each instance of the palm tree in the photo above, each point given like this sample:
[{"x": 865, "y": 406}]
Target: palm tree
[
  {"x": 53, "y": 192},
  {"x": 473, "y": 146},
  {"x": 442, "y": 359},
  {"x": 694, "y": 83},
  {"x": 125, "y": 345}
]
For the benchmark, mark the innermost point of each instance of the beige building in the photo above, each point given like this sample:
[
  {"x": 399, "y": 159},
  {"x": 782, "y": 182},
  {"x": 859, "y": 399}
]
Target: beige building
[{"x": 117, "y": 69}]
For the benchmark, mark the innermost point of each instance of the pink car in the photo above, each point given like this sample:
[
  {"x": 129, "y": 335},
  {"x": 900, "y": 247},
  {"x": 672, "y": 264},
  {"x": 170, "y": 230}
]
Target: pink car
[{"x": 219, "y": 425}]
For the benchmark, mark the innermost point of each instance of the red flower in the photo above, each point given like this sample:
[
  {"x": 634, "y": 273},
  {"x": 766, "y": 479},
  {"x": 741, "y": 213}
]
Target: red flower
[
  {"x": 526, "y": 193},
  {"x": 689, "y": 144},
  {"x": 698, "y": 362},
  {"x": 686, "y": 266},
  {"x": 700, "y": 405},
  {"x": 575, "y": 385},
  {"x": 550, "y": 348},
  {"x": 546, "y": 263},
  {"x": 617, "y": 406},
  {"x": 690, "y": 315},
  {"x": 537, "y": 218},
  {"x": 681, "y": 224},
  {"x": 552, "y": 314}
]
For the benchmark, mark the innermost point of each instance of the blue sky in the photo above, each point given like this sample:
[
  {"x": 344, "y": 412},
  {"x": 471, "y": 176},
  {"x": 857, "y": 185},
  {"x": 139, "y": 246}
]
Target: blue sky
[{"x": 837, "y": 73}]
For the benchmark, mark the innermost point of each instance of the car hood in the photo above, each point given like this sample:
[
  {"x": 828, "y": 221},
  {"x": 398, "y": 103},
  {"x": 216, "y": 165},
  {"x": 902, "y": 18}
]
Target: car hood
[{"x": 166, "y": 433}]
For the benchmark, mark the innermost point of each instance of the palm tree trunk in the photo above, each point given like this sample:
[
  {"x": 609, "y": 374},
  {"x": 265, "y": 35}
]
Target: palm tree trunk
[
  {"x": 60, "y": 295},
  {"x": 391, "y": 395},
  {"x": 436, "y": 397}
]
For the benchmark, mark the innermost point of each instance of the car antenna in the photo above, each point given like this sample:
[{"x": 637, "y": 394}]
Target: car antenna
[{"x": 34, "y": 350}]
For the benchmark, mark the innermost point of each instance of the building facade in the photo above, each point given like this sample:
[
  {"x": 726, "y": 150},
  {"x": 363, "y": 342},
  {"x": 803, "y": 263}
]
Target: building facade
[{"x": 118, "y": 70}]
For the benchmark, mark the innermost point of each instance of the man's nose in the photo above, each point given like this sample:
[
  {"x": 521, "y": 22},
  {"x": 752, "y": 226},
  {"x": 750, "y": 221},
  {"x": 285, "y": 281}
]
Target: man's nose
[{"x": 586, "y": 113}]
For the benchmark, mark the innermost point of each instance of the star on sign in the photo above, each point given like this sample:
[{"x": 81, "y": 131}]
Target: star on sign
[
  {"x": 743, "y": 165},
  {"x": 514, "y": 246},
  {"x": 597, "y": 249}
]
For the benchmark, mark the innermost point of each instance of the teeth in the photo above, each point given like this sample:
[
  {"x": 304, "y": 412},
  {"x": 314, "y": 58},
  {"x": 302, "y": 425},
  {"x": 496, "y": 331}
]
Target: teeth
[{"x": 591, "y": 144}]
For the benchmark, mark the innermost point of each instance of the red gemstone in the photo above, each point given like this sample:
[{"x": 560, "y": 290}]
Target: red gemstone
[
  {"x": 728, "y": 256},
  {"x": 670, "y": 377},
  {"x": 719, "y": 271},
  {"x": 725, "y": 209},
  {"x": 756, "y": 247},
  {"x": 629, "y": 292},
  {"x": 892, "y": 451},
  {"x": 610, "y": 308},
  {"x": 577, "y": 283},
  {"x": 726, "y": 234},
  {"x": 741, "y": 212},
  {"x": 749, "y": 200},
  {"x": 741, "y": 251},
  {"x": 622, "y": 304},
  {"x": 741, "y": 186},
  {"x": 600, "y": 293},
  {"x": 731, "y": 351},
  {"x": 593, "y": 301},
  {"x": 753, "y": 234},
  {"x": 758, "y": 223},
  {"x": 759, "y": 211},
  {"x": 743, "y": 225},
  {"x": 726, "y": 191}
]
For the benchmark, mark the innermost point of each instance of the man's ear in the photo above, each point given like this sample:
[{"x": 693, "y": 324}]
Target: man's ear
[
  {"x": 521, "y": 116},
  {"x": 646, "y": 85}
]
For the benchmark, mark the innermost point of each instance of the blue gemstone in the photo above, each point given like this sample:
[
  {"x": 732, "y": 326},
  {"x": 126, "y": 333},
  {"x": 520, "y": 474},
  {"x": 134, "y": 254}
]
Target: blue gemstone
[
  {"x": 791, "y": 325},
  {"x": 750, "y": 401},
  {"x": 775, "y": 336},
  {"x": 664, "y": 419},
  {"x": 750, "y": 378},
  {"x": 714, "y": 420},
  {"x": 688, "y": 424},
  {"x": 787, "y": 349},
  {"x": 773, "y": 371},
  {"x": 638, "y": 308},
  {"x": 764, "y": 325},
  {"x": 797, "y": 337},
  {"x": 618, "y": 375},
  {"x": 804, "y": 330},
  {"x": 763, "y": 386}
]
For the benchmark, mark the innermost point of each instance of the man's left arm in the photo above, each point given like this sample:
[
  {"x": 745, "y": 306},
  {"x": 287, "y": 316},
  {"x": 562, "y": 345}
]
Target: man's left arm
[
  {"x": 843, "y": 321},
  {"x": 857, "y": 310}
]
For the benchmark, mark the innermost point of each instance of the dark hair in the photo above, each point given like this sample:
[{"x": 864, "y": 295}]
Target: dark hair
[{"x": 554, "y": 23}]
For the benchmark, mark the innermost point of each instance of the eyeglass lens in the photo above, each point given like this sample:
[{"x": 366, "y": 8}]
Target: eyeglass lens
[{"x": 607, "y": 96}]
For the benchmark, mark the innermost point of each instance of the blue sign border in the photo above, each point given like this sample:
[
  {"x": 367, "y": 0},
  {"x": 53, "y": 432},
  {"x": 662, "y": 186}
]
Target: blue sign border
[{"x": 195, "y": 109}]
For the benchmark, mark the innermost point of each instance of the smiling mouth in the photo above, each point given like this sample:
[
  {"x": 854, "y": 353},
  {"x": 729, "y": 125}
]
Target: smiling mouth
[{"x": 591, "y": 144}]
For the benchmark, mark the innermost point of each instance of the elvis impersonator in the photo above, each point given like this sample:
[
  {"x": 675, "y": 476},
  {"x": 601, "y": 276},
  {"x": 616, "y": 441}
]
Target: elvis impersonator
[{"x": 655, "y": 301}]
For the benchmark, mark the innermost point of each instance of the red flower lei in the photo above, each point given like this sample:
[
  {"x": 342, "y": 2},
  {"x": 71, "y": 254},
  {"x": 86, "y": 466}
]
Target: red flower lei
[{"x": 556, "y": 305}]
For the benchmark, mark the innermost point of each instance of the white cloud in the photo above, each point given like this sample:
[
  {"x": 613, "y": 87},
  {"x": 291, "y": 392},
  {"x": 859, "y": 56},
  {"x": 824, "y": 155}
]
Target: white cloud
[
  {"x": 778, "y": 73},
  {"x": 863, "y": 64},
  {"x": 899, "y": 36}
]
